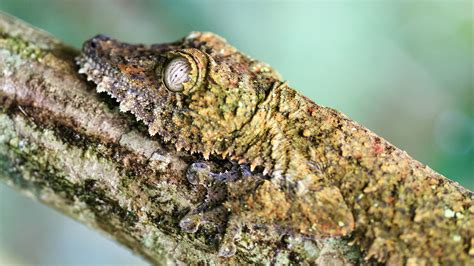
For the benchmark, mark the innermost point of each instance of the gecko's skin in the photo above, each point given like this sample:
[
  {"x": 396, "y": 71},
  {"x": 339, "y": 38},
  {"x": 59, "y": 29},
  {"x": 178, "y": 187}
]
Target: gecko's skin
[{"x": 206, "y": 97}]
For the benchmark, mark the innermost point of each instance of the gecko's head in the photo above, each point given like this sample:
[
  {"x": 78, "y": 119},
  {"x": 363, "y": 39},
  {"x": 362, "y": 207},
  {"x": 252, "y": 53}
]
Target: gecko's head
[{"x": 197, "y": 92}]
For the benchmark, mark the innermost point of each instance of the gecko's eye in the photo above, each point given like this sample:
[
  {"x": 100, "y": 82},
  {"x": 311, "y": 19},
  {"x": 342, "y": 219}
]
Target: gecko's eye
[
  {"x": 183, "y": 70},
  {"x": 176, "y": 73}
]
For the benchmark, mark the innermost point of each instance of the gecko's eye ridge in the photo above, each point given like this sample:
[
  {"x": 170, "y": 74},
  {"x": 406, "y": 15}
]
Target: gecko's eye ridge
[{"x": 176, "y": 73}]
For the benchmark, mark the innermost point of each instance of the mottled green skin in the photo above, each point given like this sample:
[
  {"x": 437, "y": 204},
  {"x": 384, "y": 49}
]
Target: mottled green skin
[{"x": 328, "y": 176}]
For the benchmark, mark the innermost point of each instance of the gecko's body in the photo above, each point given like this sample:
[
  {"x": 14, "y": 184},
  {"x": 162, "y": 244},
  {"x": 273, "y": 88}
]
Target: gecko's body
[{"x": 233, "y": 107}]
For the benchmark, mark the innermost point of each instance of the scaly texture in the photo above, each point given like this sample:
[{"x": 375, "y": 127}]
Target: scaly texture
[
  {"x": 66, "y": 146},
  {"x": 327, "y": 175}
]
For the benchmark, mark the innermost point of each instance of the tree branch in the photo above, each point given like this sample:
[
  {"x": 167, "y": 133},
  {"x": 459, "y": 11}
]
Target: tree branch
[
  {"x": 69, "y": 147},
  {"x": 63, "y": 144}
]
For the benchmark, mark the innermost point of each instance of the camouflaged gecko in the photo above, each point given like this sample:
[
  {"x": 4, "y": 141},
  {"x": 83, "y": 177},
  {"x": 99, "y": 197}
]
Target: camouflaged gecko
[
  {"x": 297, "y": 168},
  {"x": 204, "y": 96}
]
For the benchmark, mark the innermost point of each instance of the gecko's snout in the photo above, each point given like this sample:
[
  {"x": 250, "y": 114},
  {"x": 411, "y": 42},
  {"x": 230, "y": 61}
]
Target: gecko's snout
[{"x": 95, "y": 43}]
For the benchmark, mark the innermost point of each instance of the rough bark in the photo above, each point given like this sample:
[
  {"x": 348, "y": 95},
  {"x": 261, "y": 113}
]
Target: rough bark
[{"x": 69, "y": 147}]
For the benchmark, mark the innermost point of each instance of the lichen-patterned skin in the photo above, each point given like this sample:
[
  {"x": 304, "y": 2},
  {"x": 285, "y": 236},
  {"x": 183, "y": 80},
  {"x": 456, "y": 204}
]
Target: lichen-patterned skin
[{"x": 328, "y": 176}]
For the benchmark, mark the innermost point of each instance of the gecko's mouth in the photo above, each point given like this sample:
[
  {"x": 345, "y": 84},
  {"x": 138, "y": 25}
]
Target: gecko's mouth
[
  {"x": 91, "y": 63},
  {"x": 95, "y": 72}
]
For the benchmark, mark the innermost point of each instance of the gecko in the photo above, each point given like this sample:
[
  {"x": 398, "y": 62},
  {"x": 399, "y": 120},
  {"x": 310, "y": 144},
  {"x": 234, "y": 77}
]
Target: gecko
[{"x": 205, "y": 97}]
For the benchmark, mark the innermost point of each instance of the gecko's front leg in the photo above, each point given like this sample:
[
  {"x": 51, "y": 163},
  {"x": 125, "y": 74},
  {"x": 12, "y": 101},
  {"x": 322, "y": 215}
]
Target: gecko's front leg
[
  {"x": 211, "y": 209},
  {"x": 214, "y": 209},
  {"x": 204, "y": 96}
]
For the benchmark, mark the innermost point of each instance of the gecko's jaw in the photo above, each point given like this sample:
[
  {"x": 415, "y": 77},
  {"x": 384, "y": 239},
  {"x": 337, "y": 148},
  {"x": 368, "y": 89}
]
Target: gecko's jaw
[
  {"x": 108, "y": 80},
  {"x": 100, "y": 75},
  {"x": 91, "y": 61}
]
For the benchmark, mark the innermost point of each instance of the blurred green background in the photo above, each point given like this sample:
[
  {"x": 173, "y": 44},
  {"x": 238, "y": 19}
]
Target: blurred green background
[{"x": 404, "y": 69}]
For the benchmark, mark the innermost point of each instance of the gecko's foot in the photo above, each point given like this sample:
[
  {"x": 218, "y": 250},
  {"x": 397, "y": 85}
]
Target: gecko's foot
[{"x": 211, "y": 211}]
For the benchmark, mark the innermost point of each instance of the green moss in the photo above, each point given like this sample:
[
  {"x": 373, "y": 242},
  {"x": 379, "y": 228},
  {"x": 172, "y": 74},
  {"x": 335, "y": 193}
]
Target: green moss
[{"x": 21, "y": 47}]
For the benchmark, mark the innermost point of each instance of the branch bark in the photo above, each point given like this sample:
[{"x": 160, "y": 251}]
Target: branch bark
[
  {"x": 67, "y": 146},
  {"x": 63, "y": 144}
]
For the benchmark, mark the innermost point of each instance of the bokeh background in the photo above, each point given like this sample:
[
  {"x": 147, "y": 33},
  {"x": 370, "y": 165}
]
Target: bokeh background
[{"x": 404, "y": 69}]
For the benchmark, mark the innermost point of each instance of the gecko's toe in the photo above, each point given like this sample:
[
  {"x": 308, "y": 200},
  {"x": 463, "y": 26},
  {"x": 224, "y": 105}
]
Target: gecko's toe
[
  {"x": 227, "y": 250},
  {"x": 190, "y": 223},
  {"x": 199, "y": 174}
]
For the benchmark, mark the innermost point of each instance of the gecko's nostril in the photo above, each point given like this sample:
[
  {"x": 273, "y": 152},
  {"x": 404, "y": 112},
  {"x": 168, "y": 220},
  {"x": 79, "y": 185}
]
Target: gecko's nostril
[{"x": 94, "y": 43}]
